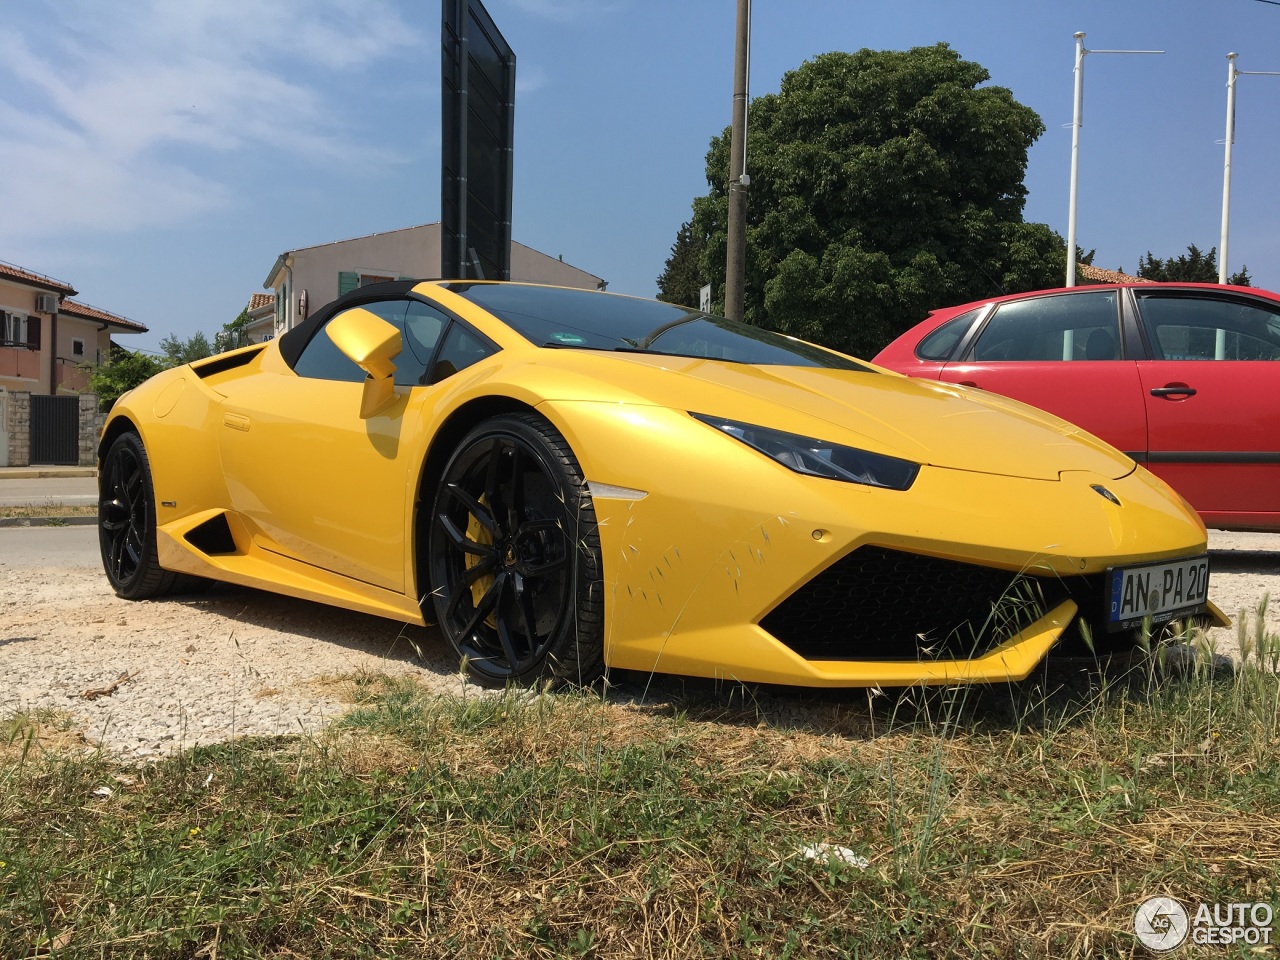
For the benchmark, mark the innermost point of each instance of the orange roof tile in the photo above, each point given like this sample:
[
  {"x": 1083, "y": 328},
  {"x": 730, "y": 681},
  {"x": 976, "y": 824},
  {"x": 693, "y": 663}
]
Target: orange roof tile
[
  {"x": 87, "y": 312},
  {"x": 261, "y": 300},
  {"x": 11, "y": 272},
  {"x": 1098, "y": 275}
]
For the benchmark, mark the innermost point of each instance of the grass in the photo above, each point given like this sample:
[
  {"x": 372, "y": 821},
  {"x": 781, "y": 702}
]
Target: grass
[
  {"x": 48, "y": 509},
  {"x": 998, "y": 821}
]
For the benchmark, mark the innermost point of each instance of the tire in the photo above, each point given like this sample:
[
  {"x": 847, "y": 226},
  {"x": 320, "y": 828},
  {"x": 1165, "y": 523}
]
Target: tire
[
  {"x": 514, "y": 557},
  {"x": 127, "y": 523}
]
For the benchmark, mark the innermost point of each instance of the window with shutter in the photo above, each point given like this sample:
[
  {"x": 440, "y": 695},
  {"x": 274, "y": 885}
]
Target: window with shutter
[
  {"x": 347, "y": 281},
  {"x": 33, "y": 333}
]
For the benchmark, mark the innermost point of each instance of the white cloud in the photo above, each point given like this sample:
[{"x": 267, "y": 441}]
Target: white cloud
[
  {"x": 107, "y": 115},
  {"x": 529, "y": 79}
]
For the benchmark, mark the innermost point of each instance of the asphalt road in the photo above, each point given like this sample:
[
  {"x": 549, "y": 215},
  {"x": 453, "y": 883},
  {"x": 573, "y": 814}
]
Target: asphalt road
[
  {"x": 73, "y": 547},
  {"x": 24, "y": 491}
]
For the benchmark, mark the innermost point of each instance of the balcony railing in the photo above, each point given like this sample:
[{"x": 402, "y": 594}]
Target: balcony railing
[{"x": 18, "y": 360}]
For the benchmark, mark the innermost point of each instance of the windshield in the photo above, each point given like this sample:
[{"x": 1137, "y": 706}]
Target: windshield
[{"x": 587, "y": 320}]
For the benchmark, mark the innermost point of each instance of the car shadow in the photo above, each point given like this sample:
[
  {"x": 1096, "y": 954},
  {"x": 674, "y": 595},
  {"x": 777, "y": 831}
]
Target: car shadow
[
  {"x": 381, "y": 637},
  {"x": 1059, "y": 692}
]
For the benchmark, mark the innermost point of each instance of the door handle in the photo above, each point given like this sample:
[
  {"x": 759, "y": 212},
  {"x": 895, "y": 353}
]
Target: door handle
[
  {"x": 968, "y": 383},
  {"x": 1174, "y": 390}
]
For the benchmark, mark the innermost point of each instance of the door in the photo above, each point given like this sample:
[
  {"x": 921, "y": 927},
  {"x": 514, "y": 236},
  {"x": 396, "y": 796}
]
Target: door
[
  {"x": 1062, "y": 353},
  {"x": 1212, "y": 392},
  {"x": 319, "y": 483}
]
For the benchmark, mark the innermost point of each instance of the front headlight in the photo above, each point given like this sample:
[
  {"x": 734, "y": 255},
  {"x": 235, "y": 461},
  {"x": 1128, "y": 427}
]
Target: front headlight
[{"x": 817, "y": 458}]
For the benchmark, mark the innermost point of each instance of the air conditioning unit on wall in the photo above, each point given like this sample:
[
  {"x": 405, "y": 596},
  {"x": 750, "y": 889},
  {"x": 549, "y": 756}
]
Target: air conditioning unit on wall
[{"x": 46, "y": 303}]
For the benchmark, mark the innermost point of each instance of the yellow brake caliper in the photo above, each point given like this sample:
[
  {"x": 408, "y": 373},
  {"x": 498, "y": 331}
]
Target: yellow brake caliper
[{"x": 477, "y": 533}]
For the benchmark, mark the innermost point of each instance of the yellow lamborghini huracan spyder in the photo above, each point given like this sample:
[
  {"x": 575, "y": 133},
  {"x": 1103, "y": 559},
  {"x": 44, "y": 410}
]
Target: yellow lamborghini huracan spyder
[{"x": 565, "y": 481}]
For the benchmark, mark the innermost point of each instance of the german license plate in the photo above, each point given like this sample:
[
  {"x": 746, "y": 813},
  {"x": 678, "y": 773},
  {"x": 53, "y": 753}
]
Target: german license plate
[{"x": 1160, "y": 591}]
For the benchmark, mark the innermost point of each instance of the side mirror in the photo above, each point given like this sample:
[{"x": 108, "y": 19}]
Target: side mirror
[{"x": 370, "y": 343}]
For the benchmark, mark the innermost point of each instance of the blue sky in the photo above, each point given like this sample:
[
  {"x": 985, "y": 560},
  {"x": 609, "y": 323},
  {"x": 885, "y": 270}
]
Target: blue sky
[{"x": 160, "y": 154}]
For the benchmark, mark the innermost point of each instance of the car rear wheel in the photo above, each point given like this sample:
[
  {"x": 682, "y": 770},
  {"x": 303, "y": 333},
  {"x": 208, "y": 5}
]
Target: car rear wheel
[
  {"x": 126, "y": 522},
  {"x": 514, "y": 557}
]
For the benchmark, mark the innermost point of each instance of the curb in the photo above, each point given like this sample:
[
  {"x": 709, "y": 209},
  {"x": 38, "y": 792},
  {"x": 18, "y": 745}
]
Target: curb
[{"x": 47, "y": 521}]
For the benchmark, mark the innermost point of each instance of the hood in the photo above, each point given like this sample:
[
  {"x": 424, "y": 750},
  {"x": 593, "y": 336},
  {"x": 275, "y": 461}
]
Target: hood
[{"x": 937, "y": 424}]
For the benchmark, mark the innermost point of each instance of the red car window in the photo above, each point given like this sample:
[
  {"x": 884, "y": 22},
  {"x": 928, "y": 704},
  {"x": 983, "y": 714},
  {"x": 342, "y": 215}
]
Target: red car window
[
  {"x": 942, "y": 343},
  {"x": 1203, "y": 328},
  {"x": 1081, "y": 326}
]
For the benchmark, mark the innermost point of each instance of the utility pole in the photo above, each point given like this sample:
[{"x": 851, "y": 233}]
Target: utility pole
[
  {"x": 1226, "y": 166},
  {"x": 1076, "y": 121},
  {"x": 736, "y": 260}
]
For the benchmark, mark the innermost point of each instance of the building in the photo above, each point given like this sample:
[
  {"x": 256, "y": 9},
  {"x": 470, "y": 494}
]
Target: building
[
  {"x": 307, "y": 278},
  {"x": 262, "y": 318},
  {"x": 49, "y": 342}
]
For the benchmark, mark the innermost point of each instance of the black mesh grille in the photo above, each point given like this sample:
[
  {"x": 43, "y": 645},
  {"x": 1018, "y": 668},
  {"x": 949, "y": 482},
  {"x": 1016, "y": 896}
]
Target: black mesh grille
[{"x": 879, "y": 604}]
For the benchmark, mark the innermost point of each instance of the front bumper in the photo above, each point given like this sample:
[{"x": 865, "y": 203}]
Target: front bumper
[{"x": 705, "y": 572}]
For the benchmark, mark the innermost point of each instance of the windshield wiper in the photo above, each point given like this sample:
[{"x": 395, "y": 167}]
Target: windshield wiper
[
  {"x": 630, "y": 348},
  {"x": 554, "y": 345},
  {"x": 644, "y": 342}
]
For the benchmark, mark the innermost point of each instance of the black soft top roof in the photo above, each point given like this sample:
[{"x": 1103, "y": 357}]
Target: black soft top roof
[{"x": 293, "y": 341}]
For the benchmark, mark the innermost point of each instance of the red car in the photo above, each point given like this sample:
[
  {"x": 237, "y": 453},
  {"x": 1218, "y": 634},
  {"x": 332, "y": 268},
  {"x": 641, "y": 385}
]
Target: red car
[{"x": 1183, "y": 377}]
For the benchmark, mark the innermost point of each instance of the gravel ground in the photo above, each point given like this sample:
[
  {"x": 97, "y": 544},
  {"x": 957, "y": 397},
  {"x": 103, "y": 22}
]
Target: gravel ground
[{"x": 199, "y": 669}]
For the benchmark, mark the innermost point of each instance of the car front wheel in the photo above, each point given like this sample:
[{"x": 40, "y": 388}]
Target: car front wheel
[
  {"x": 514, "y": 557},
  {"x": 127, "y": 524}
]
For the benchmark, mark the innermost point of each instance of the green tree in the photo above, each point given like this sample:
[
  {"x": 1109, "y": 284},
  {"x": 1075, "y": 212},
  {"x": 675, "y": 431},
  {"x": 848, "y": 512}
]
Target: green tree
[
  {"x": 1193, "y": 266},
  {"x": 681, "y": 280},
  {"x": 178, "y": 351},
  {"x": 883, "y": 184},
  {"x": 232, "y": 334},
  {"x": 123, "y": 371}
]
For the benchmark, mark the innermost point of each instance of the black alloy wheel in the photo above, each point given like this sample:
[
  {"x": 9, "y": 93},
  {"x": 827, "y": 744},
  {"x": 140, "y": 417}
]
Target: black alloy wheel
[
  {"x": 514, "y": 557},
  {"x": 126, "y": 522}
]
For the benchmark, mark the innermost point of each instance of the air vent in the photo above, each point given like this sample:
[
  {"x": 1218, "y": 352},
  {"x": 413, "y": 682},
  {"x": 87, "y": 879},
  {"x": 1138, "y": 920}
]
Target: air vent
[
  {"x": 213, "y": 537},
  {"x": 224, "y": 362}
]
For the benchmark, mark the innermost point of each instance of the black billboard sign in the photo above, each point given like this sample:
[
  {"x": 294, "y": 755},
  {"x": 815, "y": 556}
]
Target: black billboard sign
[{"x": 478, "y": 74}]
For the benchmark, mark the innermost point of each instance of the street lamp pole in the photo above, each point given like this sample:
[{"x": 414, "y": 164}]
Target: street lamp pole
[
  {"x": 1077, "y": 121},
  {"x": 1232, "y": 73},
  {"x": 736, "y": 255}
]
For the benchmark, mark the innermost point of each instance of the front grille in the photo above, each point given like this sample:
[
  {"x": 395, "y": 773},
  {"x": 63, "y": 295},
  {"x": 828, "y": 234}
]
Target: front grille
[{"x": 880, "y": 604}]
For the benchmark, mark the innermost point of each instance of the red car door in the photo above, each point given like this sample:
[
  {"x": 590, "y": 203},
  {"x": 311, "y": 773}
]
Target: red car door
[
  {"x": 1212, "y": 392},
  {"x": 1062, "y": 353}
]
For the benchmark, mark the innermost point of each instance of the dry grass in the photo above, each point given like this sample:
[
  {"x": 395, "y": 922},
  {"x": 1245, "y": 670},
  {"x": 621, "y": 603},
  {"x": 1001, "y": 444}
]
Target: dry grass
[
  {"x": 1008, "y": 822},
  {"x": 49, "y": 509},
  {"x": 40, "y": 732}
]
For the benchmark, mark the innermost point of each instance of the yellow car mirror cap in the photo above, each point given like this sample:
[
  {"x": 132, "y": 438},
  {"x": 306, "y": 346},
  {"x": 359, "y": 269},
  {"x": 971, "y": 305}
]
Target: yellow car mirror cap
[{"x": 367, "y": 340}]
